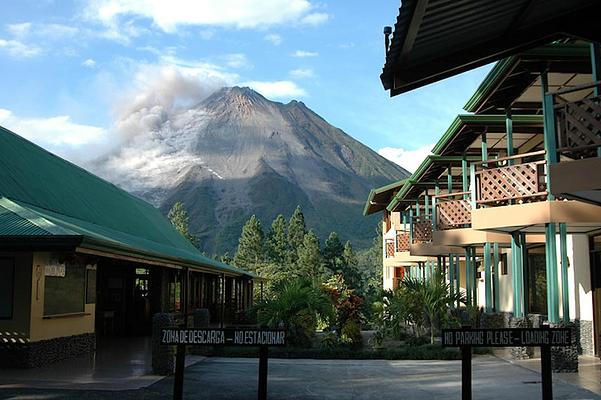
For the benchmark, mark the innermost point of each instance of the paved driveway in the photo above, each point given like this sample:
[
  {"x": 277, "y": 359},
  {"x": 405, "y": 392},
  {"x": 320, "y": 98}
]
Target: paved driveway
[{"x": 226, "y": 378}]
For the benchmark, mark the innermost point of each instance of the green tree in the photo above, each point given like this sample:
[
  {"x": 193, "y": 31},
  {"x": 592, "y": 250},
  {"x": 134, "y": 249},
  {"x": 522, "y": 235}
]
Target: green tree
[
  {"x": 350, "y": 268},
  {"x": 310, "y": 261},
  {"x": 296, "y": 229},
  {"x": 251, "y": 251},
  {"x": 277, "y": 242},
  {"x": 332, "y": 253},
  {"x": 180, "y": 220}
]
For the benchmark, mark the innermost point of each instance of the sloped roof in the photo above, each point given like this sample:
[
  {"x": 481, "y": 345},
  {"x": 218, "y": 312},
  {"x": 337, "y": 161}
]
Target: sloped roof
[
  {"x": 378, "y": 198},
  {"x": 435, "y": 39},
  {"x": 42, "y": 194}
]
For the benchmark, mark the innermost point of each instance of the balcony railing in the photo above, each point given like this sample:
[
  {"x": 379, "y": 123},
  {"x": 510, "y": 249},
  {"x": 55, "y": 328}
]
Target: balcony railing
[
  {"x": 453, "y": 211},
  {"x": 579, "y": 124},
  {"x": 402, "y": 241},
  {"x": 499, "y": 183},
  {"x": 422, "y": 229},
  {"x": 389, "y": 248}
]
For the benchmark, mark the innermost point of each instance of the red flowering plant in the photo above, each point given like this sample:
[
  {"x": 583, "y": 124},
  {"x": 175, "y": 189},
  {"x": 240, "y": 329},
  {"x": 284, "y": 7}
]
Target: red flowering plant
[{"x": 347, "y": 306}]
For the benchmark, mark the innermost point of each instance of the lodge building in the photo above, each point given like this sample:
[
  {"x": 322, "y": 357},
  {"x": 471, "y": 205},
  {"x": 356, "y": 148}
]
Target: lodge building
[
  {"x": 82, "y": 260},
  {"x": 507, "y": 206}
]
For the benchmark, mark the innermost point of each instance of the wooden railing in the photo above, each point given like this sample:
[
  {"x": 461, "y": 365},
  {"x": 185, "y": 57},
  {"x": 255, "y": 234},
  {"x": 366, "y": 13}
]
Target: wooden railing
[
  {"x": 389, "y": 243},
  {"x": 402, "y": 241},
  {"x": 422, "y": 229},
  {"x": 579, "y": 124},
  {"x": 453, "y": 211},
  {"x": 499, "y": 183}
]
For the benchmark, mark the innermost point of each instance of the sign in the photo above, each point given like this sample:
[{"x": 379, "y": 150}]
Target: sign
[
  {"x": 230, "y": 337},
  {"x": 54, "y": 269},
  {"x": 506, "y": 337}
]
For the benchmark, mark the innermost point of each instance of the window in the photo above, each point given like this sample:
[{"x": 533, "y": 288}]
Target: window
[
  {"x": 64, "y": 287},
  {"x": 7, "y": 287},
  {"x": 504, "y": 264}
]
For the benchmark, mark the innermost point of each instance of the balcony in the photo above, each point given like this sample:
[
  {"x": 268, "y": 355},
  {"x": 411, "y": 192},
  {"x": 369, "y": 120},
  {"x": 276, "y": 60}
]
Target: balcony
[
  {"x": 511, "y": 180},
  {"x": 397, "y": 245},
  {"x": 422, "y": 229},
  {"x": 453, "y": 211},
  {"x": 578, "y": 129}
]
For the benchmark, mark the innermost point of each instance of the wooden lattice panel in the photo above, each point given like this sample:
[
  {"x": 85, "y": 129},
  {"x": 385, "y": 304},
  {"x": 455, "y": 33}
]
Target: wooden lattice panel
[
  {"x": 579, "y": 125},
  {"x": 422, "y": 232},
  {"x": 389, "y": 248},
  {"x": 402, "y": 241},
  {"x": 511, "y": 182},
  {"x": 453, "y": 214}
]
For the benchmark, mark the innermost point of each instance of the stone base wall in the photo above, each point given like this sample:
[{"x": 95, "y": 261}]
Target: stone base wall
[
  {"x": 565, "y": 359},
  {"x": 521, "y": 353},
  {"x": 587, "y": 345},
  {"x": 45, "y": 352}
]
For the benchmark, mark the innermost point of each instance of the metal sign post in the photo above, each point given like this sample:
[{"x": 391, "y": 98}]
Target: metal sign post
[
  {"x": 545, "y": 338},
  {"x": 182, "y": 337}
]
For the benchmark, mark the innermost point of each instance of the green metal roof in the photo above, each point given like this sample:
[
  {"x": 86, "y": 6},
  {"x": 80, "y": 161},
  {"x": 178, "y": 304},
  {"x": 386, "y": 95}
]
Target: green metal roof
[
  {"x": 41, "y": 192},
  {"x": 378, "y": 198},
  {"x": 511, "y": 76}
]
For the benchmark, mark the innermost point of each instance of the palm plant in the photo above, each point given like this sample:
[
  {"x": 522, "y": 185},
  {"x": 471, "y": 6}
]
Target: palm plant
[
  {"x": 296, "y": 305},
  {"x": 431, "y": 300}
]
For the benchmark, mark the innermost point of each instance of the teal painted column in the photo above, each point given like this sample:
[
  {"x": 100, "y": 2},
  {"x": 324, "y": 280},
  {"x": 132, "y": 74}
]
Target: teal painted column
[
  {"x": 458, "y": 276},
  {"x": 488, "y": 302},
  {"x": 552, "y": 286},
  {"x": 451, "y": 274},
  {"x": 404, "y": 215},
  {"x": 484, "y": 149},
  {"x": 509, "y": 129},
  {"x": 495, "y": 286},
  {"x": 426, "y": 205},
  {"x": 550, "y": 141},
  {"x": 417, "y": 211},
  {"x": 450, "y": 180},
  {"x": 468, "y": 276},
  {"x": 517, "y": 275},
  {"x": 565, "y": 293},
  {"x": 524, "y": 281},
  {"x": 410, "y": 226},
  {"x": 464, "y": 177},
  {"x": 596, "y": 72},
  {"x": 474, "y": 273},
  {"x": 436, "y": 193},
  {"x": 473, "y": 191}
]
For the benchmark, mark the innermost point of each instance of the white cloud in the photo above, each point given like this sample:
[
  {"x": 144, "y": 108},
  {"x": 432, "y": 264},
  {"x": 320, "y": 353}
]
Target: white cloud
[
  {"x": 301, "y": 73},
  {"x": 276, "y": 89},
  {"x": 274, "y": 38},
  {"x": 408, "y": 159},
  {"x": 304, "y": 54},
  {"x": 89, "y": 63},
  {"x": 168, "y": 16},
  {"x": 237, "y": 60},
  {"x": 58, "y": 134},
  {"x": 19, "y": 49},
  {"x": 315, "y": 19},
  {"x": 19, "y": 30}
]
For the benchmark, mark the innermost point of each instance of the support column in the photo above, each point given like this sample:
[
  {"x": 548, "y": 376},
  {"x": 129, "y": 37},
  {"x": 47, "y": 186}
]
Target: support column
[
  {"x": 509, "y": 129},
  {"x": 474, "y": 273},
  {"x": 410, "y": 226},
  {"x": 457, "y": 276},
  {"x": 517, "y": 277},
  {"x": 565, "y": 293},
  {"x": 451, "y": 275},
  {"x": 552, "y": 286},
  {"x": 468, "y": 276},
  {"x": 488, "y": 302},
  {"x": 549, "y": 130},
  {"x": 495, "y": 286},
  {"x": 464, "y": 177},
  {"x": 450, "y": 180}
]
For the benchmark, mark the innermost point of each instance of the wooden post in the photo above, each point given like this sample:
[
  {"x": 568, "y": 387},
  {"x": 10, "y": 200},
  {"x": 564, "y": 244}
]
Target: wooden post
[
  {"x": 546, "y": 374},
  {"x": 263, "y": 358},
  {"x": 466, "y": 373}
]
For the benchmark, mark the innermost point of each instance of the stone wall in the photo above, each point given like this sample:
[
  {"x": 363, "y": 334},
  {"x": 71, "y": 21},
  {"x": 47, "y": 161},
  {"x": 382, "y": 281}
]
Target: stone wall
[
  {"x": 27, "y": 354},
  {"x": 587, "y": 346}
]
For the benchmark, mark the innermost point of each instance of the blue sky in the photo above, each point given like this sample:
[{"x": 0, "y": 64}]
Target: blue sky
[{"x": 68, "y": 69}]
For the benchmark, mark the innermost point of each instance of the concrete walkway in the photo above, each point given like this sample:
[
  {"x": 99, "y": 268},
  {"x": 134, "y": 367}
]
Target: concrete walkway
[{"x": 230, "y": 378}]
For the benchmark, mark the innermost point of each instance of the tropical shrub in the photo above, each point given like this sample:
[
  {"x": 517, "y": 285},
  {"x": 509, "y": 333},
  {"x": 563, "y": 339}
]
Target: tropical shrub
[
  {"x": 351, "y": 334},
  {"x": 296, "y": 306}
]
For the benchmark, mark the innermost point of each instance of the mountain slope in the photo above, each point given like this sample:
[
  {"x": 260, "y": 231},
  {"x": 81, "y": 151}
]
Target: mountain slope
[{"x": 236, "y": 154}]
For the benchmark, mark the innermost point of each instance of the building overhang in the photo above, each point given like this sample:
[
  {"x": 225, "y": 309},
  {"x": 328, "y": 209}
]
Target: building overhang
[
  {"x": 433, "y": 250},
  {"x": 435, "y": 39},
  {"x": 403, "y": 259},
  {"x": 469, "y": 237},
  {"x": 578, "y": 180},
  {"x": 580, "y": 217}
]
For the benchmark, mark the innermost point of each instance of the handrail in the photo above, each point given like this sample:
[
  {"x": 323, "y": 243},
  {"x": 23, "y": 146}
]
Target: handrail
[
  {"x": 450, "y": 194},
  {"x": 576, "y": 88},
  {"x": 515, "y": 157}
]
